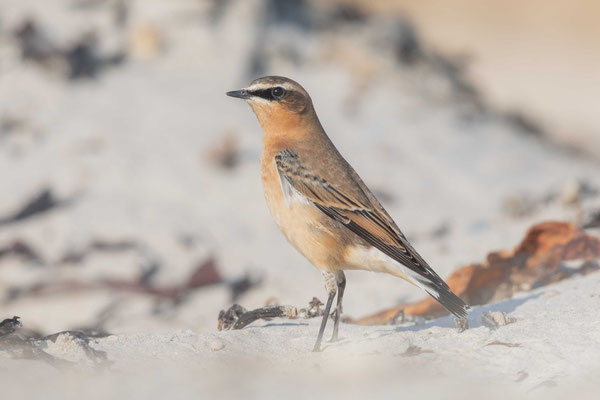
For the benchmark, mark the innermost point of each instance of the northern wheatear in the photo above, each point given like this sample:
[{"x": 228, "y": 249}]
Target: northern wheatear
[{"x": 323, "y": 207}]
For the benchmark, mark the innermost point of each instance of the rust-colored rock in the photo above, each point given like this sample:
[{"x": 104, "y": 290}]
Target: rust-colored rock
[{"x": 537, "y": 261}]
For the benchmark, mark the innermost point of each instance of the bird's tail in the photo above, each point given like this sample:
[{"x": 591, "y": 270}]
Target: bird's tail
[{"x": 444, "y": 295}]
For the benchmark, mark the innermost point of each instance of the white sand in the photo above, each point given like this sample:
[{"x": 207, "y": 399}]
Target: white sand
[{"x": 551, "y": 350}]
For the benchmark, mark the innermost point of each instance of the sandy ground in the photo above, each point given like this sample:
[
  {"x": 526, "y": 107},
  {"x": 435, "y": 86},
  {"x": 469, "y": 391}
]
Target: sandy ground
[
  {"x": 551, "y": 350},
  {"x": 130, "y": 151}
]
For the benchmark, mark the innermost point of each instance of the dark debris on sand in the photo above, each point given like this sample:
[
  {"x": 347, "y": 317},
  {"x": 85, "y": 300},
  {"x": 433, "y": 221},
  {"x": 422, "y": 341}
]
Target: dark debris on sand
[
  {"x": 20, "y": 344},
  {"x": 44, "y": 201},
  {"x": 79, "y": 60},
  {"x": 237, "y": 317}
]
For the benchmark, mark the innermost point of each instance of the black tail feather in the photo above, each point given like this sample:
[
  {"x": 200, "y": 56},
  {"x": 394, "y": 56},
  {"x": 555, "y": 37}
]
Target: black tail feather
[{"x": 448, "y": 299}]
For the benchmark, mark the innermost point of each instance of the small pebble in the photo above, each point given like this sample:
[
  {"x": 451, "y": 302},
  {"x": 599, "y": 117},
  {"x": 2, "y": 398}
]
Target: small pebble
[
  {"x": 494, "y": 319},
  {"x": 217, "y": 345}
]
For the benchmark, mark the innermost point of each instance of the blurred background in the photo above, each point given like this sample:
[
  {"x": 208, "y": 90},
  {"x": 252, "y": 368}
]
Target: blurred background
[{"x": 131, "y": 195}]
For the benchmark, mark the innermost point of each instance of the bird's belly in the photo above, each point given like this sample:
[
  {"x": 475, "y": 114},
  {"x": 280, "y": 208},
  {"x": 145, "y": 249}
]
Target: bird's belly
[
  {"x": 369, "y": 258},
  {"x": 310, "y": 231}
]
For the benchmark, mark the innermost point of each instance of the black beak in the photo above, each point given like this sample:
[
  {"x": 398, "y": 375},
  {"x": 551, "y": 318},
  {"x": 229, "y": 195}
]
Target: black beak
[{"x": 240, "y": 94}]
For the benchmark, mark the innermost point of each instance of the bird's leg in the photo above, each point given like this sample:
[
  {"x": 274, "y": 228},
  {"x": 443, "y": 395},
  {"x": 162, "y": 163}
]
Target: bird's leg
[
  {"x": 330, "y": 286},
  {"x": 340, "y": 279}
]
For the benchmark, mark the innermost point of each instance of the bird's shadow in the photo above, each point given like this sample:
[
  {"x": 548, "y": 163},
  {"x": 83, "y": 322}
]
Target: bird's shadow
[
  {"x": 274, "y": 324},
  {"x": 475, "y": 320}
]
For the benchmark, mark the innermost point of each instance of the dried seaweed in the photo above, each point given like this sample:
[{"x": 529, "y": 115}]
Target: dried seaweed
[
  {"x": 19, "y": 345},
  {"x": 205, "y": 274},
  {"x": 21, "y": 249},
  {"x": 540, "y": 259},
  {"x": 42, "y": 202},
  {"x": 78, "y": 256},
  {"x": 81, "y": 59},
  {"x": 237, "y": 317},
  {"x": 10, "y": 325}
]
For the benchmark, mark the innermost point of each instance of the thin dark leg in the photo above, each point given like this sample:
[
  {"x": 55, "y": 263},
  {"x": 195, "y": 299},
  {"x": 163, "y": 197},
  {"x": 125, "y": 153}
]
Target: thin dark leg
[
  {"x": 317, "y": 347},
  {"x": 341, "y": 285}
]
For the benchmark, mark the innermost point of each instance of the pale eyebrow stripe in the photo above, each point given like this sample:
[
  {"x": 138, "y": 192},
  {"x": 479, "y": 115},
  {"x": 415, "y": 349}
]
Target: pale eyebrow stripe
[
  {"x": 265, "y": 85},
  {"x": 258, "y": 86}
]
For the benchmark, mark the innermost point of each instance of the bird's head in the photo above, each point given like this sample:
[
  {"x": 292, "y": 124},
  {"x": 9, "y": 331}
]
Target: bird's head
[{"x": 276, "y": 101}]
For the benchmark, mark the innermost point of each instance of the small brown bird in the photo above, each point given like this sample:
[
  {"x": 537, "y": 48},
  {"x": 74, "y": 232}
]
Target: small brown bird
[{"x": 321, "y": 204}]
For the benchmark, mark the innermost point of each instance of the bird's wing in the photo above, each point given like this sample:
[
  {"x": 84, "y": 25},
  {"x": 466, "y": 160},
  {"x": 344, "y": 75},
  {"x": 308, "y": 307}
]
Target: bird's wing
[{"x": 369, "y": 222}]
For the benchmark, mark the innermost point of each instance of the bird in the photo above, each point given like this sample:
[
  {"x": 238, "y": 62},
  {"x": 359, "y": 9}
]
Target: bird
[{"x": 323, "y": 207}]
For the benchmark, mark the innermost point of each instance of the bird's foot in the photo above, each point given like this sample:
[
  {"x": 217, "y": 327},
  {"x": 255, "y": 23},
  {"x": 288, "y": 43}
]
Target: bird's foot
[{"x": 462, "y": 324}]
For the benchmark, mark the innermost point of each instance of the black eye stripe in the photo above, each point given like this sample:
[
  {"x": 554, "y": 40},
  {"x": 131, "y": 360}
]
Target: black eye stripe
[
  {"x": 263, "y": 93},
  {"x": 266, "y": 94}
]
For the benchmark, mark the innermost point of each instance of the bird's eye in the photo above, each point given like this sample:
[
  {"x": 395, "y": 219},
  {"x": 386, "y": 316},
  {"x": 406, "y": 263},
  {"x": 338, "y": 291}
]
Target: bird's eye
[{"x": 278, "y": 92}]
